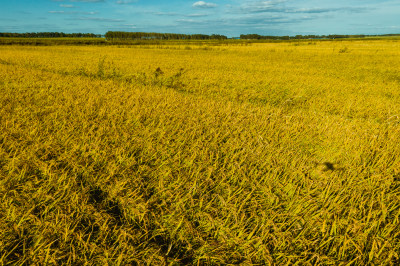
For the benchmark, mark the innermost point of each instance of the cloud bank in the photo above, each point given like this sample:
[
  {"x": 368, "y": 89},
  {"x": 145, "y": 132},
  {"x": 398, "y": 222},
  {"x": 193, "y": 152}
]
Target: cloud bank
[{"x": 202, "y": 4}]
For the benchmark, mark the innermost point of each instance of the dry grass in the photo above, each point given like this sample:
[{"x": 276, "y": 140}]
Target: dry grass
[{"x": 189, "y": 154}]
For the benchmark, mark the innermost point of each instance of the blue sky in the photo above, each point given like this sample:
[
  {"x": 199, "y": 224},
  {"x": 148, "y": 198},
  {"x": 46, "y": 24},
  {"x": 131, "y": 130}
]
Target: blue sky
[{"x": 228, "y": 17}]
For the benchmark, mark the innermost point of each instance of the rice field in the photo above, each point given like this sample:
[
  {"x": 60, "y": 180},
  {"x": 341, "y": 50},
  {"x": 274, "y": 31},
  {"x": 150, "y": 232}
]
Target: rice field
[{"x": 201, "y": 154}]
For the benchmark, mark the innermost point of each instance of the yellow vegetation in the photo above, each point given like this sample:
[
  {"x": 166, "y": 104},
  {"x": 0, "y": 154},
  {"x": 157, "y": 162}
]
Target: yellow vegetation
[{"x": 264, "y": 153}]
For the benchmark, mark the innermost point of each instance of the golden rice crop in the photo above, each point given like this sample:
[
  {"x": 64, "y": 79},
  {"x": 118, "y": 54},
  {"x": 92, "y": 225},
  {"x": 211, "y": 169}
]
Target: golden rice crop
[{"x": 265, "y": 153}]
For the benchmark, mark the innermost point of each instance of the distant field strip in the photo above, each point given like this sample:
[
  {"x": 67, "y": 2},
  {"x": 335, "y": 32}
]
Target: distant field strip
[{"x": 258, "y": 153}]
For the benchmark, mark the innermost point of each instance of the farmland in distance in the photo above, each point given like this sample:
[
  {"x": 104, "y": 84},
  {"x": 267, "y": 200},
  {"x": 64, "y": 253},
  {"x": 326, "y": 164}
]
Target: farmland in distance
[{"x": 201, "y": 153}]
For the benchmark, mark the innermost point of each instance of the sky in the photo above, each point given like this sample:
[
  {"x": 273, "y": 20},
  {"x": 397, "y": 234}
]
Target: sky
[{"x": 227, "y": 17}]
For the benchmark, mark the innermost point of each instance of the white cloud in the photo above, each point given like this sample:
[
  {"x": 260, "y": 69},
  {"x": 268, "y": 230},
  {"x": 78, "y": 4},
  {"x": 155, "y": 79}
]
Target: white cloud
[
  {"x": 67, "y": 6},
  {"x": 196, "y": 15},
  {"x": 101, "y": 19},
  {"x": 125, "y": 2},
  {"x": 88, "y": 1},
  {"x": 202, "y": 4},
  {"x": 72, "y": 12},
  {"x": 262, "y": 6},
  {"x": 186, "y": 20}
]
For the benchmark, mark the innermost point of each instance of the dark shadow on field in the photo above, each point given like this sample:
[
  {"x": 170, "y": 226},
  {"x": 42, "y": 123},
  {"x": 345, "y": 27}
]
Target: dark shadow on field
[
  {"x": 98, "y": 198},
  {"x": 328, "y": 166}
]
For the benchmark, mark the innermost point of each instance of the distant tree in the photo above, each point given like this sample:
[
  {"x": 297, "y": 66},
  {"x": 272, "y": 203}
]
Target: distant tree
[{"x": 49, "y": 35}]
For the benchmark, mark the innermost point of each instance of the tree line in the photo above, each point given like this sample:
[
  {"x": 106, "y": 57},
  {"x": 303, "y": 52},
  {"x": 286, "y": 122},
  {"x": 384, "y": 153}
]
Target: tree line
[
  {"x": 49, "y": 35},
  {"x": 122, "y": 35},
  {"x": 299, "y": 37}
]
